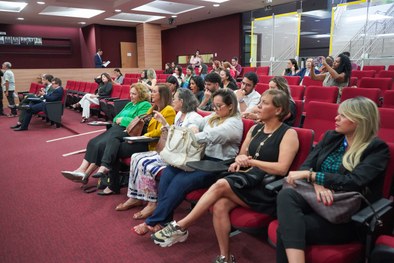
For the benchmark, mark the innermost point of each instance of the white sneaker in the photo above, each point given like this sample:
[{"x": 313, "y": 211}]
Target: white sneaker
[{"x": 170, "y": 235}]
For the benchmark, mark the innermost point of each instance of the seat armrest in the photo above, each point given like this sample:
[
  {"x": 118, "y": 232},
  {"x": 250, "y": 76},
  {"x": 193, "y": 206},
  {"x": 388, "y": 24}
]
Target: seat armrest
[
  {"x": 111, "y": 99},
  {"x": 381, "y": 207},
  {"x": 275, "y": 186}
]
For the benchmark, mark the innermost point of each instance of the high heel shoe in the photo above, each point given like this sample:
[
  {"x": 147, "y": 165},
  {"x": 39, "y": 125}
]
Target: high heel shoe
[{"x": 77, "y": 177}]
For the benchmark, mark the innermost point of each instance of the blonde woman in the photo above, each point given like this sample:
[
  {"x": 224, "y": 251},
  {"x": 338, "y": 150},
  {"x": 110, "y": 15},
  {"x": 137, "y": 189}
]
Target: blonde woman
[
  {"x": 351, "y": 158},
  {"x": 151, "y": 79}
]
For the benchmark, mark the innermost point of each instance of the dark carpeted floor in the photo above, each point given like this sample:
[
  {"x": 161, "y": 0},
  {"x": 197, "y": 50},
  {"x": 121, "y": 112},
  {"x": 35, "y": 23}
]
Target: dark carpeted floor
[{"x": 46, "y": 218}]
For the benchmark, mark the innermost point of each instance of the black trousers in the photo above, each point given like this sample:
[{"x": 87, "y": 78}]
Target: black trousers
[
  {"x": 106, "y": 148},
  {"x": 299, "y": 226},
  {"x": 11, "y": 101}
]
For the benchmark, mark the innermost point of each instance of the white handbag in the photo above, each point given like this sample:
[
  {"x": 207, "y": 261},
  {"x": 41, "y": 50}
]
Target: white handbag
[{"x": 182, "y": 147}]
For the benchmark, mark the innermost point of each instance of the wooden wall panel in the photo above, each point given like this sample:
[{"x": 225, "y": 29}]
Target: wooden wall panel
[{"x": 149, "y": 46}]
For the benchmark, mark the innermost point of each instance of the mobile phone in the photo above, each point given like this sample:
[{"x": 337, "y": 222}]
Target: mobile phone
[{"x": 317, "y": 61}]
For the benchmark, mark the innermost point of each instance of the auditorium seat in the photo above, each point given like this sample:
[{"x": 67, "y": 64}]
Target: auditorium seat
[
  {"x": 353, "y": 252},
  {"x": 378, "y": 83},
  {"x": 388, "y": 99},
  {"x": 373, "y": 94},
  {"x": 353, "y": 81},
  {"x": 386, "y": 74},
  {"x": 316, "y": 93},
  {"x": 299, "y": 109},
  {"x": 247, "y": 220},
  {"x": 297, "y": 92},
  {"x": 293, "y": 80},
  {"x": 390, "y": 67},
  {"x": 377, "y": 68},
  {"x": 320, "y": 117},
  {"x": 263, "y": 70},
  {"x": 307, "y": 81},
  {"x": 265, "y": 78},
  {"x": 383, "y": 251},
  {"x": 386, "y": 129},
  {"x": 363, "y": 73},
  {"x": 261, "y": 87}
]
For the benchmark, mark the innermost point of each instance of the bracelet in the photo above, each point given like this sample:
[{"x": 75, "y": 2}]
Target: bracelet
[{"x": 310, "y": 175}]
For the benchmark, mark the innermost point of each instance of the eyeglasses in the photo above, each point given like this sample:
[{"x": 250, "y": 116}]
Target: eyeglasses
[{"x": 217, "y": 107}]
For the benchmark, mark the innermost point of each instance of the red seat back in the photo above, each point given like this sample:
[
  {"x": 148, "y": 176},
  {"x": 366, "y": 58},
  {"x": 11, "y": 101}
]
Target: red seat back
[
  {"x": 391, "y": 68},
  {"x": 125, "y": 92},
  {"x": 388, "y": 99},
  {"x": 293, "y": 80},
  {"x": 386, "y": 130},
  {"x": 323, "y": 94},
  {"x": 377, "y": 68},
  {"x": 321, "y": 117},
  {"x": 353, "y": 81},
  {"x": 261, "y": 87},
  {"x": 265, "y": 78},
  {"x": 297, "y": 92},
  {"x": 373, "y": 94},
  {"x": 378, "y": 83},
  {"x": 363, "y": 73},
  {"x": 299, "y": 104},
  {"x": 115, "y": 93},
  {"x": 307, "y": 81},
  {"x": 263, "y": 70}
]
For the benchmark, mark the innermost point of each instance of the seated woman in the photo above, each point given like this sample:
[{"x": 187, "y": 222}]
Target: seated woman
[
  {"x": 173, "y": 84},
  {"x": 178, "y": 73},
  {"x": 221, "y": 132},
  {"x": 351, "y": 158},
  {"x": 145, "y": 166},
  {"x": 279, "y": 83},
  {"x": 227, "y": 80},
  {"x": 118, "y": 76},
  {"x": 187, "y": 77},
  {"x": 291, "y": 68},
  {"x": 196, "y": 85},
  {"x": 338, "y": 75},
  {"x": 143, "y": 77},
  {"x": 268, "y": 148},
  {"x": 104, "y": 89},
  {"x": 106, "y": 148},
  {"x": 227, "y": 66},
  {"x": 151, "y": 79}
]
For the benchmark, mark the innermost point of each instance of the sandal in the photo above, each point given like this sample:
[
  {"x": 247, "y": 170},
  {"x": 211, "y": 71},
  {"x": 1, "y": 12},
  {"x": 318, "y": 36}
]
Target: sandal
[
  {"x": 128, "y": 204},
  {"x": 141, "y": 229},
  {"x": 155, "y": 228},
  {"x": 146, "y": 212}
]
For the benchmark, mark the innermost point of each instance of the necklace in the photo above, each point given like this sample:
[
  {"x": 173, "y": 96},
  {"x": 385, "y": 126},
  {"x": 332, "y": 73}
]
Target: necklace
[{"x": 261, "y": 144}]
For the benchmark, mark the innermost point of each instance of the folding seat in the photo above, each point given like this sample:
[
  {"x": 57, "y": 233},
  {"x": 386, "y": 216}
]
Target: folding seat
[
  {"x": 245, "y": 70},
  {"x": 363, "y": 73},
  {"x": 391, "y": 68},
  {"x": 323, "y": 94},
  {"x": 353, "y": 252},
  {"x": 265, "y": 78},
  {"x": 377, "y": 68},
  {"x": 388, "y": 99},
  {"x": 263, "y": 70},
  {"x": 245, "y": 219},
  {"x": 54, "y": 110},
  {"x": 261, "y": 87},
  {"x": 373, "y": 94},
  {"x": 102, "y": 107},
  {"x": 33, "y": 89},
  {"x": 378, "y": 83},
  {"x": 297, "y": 92},
  {"x": 159, "y": 71},
  {"x": 383, "y": 251},
  {"x": 134, "y": 80},
  {"x": 127, "y": 81},
  {"x": 307, "y": 81},
  {"x": 386, "y": 74},
  {"x": 320, "y": 117},
  {"x": 129, "y": 75},
  {"x": 386, "y": 129},
  {"x": 293, "y": 80},
  {"x": 353, "y": 81}
]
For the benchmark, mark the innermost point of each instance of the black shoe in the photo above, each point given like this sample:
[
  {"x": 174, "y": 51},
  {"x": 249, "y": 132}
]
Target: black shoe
[
  {"x": 105, "y": 193},
  {"x": 2, "y": 114},
  {"x": 23, "y": 107},
  {"x": 16, "y": 126},
  {"x": 99, "y": 175},
  {"x": 20, "y": 129}
]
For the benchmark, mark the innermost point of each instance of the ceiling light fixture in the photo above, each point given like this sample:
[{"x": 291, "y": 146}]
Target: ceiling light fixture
[
  {"x": 20, "y": 18},
  {"x": 82, "y": 23},
  {"x": 15, "y": 7},
  {"x": 174, "y": 16},
  {"x": 216, "y": 5},
  {"x": 41, "y": 3},
  {"x": 118, "y": 10}
]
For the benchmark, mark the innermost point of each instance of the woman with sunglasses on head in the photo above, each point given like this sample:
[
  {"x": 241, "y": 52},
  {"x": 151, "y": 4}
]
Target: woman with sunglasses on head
[
  {"x": 268, "y": 148},
  {"x": 222, "y": 133}
]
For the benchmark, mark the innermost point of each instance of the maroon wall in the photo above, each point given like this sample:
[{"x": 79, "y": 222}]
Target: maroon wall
[
  {"x": 108, "y": 38},
  {"x": 60, "y": 49},
  {"x": 219, "y": 35},
  {"x": 88, "y": 45}
]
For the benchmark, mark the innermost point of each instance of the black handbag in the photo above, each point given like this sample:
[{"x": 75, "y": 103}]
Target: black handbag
[{"x": 251, "y": 178}]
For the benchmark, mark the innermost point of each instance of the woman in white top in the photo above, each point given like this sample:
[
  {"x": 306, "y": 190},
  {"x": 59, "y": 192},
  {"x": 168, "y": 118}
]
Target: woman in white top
[{"x": 146, "y": 165}]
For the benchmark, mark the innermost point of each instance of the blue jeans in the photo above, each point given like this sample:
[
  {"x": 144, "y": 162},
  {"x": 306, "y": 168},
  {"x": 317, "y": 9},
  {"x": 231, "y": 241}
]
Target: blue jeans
[{"x": 174, "y": 185}]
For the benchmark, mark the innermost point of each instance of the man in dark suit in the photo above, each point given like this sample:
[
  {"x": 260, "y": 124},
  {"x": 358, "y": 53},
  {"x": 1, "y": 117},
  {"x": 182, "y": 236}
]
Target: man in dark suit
[
  {"x": 98, "y": 62},
  {"x": 55, "y": 94}
]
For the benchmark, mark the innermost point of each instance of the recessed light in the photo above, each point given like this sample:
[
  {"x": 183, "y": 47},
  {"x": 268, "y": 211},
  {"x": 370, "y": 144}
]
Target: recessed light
[
  {"x": 118, "y": 10},
  {"x": 20, "y": 18},
  {"x": 216, "y": 5},
  {"x": 174, "y": 16},
  {"x": 41, "y": 3},
  {"x": 82, "y": 23}
]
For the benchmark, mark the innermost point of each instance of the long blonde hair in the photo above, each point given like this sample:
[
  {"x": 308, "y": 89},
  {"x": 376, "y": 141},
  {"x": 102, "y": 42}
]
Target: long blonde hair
[{"x": 365, "y": 114}]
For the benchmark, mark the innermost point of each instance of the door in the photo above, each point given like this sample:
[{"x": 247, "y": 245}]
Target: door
[{"x": 128, "y": 51}]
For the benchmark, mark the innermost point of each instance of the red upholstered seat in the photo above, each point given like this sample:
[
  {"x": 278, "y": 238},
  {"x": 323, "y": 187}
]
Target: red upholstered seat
[
  {"x": 322, "y": 94},
  {"x": 386, "y": 129},
  {"x": 363, "y": 73},
  {"x": 261, "y": 87},
  {"x": 388, "y": 99},
  {"x": 384, "y": 250},
  {"x": 391, "y": 68},
  {"x": 297, "y": 92},
  {"x": 377, "y": 83},
  {"x": 377, "y": 68},
  {"x": 353, "y": 81},
  {"x": 373, "y": 94},
  {"x": 293, "y": 80},
  {"x": 265, "y": 79},
  {"x": 321, "y": 117},
  {"x": 307, "y": 81},
  {"x": 299, "y": 109},
  {"x": 263, "y": 70}
]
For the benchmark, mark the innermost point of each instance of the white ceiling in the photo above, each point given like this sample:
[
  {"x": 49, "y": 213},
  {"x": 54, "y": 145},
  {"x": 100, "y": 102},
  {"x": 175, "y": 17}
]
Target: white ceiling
[{"x": 200, "y": 10}]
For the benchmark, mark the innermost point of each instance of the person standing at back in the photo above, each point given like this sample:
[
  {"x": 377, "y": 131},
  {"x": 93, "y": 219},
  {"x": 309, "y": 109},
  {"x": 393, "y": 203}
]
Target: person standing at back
[
  {"x": 8, "y": 85},
  {"x": 98, "y": 61}
]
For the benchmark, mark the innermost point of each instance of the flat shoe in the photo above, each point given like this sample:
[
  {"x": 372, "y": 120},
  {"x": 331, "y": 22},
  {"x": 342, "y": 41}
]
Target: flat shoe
[
  {"x": 144, "y": 213},
  {"x": 105, "y": 193},
  {"x": 99, "y": 175},
  {"x": 141, "y": 229},
  {"x": 16, "y": 126},
  {"x": 77, "y": 177},
  {"x": 126, "y": 206}
]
